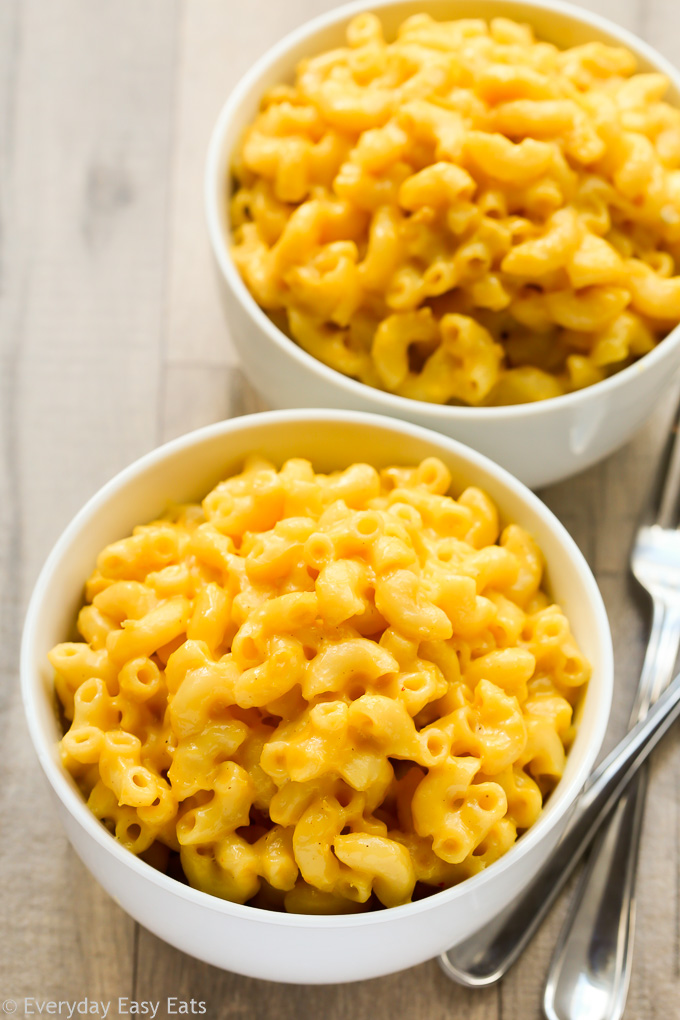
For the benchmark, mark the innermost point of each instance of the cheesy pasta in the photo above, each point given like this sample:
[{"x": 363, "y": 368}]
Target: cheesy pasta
[
  {"x": 464, "y": 214},
  {"x": 320, "y": 693}
]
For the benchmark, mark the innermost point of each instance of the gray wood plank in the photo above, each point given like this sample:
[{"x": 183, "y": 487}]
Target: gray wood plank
[
  {"x": 85, "y": 124},
  {"x": 196, "y": 395},
  {"x": 420, "y": 993},
  {"x": 218, "y": 43}
]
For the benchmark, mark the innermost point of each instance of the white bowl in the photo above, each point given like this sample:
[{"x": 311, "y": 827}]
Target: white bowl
[
  {"x": 259, "y": 943},
  {"x": 540, "y": 442}
]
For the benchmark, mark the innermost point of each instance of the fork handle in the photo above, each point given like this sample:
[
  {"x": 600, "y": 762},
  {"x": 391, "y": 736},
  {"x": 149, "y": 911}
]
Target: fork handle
[{"x": 590, "y": 970}]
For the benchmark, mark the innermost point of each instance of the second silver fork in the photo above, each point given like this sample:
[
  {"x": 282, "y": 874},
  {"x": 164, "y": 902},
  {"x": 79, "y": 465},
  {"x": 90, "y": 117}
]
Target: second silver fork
[{"x": 590, "y": 970}]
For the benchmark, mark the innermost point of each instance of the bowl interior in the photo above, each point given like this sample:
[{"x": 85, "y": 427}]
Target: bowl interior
[
  {"x": 186, "y": 470},
  {"x": 553, "y": 21},
  {"x": 561, "y": 24}
]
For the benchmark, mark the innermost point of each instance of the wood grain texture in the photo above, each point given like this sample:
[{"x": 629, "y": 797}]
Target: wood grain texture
[
  {"x": 216, "y": 48},
  {"x": 86, "y": 124},
  {"x": 112, "y": 339}
]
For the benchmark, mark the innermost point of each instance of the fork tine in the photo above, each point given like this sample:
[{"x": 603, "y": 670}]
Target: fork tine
[{"x": 664, "y": 509}]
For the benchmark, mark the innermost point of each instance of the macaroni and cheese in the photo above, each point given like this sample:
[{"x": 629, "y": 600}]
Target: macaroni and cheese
[
  {"x": 320, "y": 693},
  {"x": 464, "y": 214}
]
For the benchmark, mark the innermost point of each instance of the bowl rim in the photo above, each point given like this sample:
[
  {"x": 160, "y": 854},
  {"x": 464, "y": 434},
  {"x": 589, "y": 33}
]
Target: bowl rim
[
  {"x": 76, "y": 806},
  {"x": 391, "y": 403}
]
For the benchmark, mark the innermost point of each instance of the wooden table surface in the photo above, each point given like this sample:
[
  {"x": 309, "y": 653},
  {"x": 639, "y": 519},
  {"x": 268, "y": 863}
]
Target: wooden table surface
[{"x": 112, "y": 341}]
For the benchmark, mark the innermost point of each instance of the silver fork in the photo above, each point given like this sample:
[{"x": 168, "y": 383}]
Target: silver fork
[
  {"x": 597, "y": 978},
  {"x": 590, "y": 971}
]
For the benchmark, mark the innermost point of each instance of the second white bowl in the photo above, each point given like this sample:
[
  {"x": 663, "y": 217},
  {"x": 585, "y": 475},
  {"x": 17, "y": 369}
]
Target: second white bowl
[{"x": 539, "y": 443}]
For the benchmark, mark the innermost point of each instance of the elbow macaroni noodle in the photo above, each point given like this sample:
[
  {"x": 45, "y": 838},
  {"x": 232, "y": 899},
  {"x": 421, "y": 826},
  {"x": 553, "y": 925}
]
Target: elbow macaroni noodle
[
  {"x": 320, "y": 693},
  {"x": 465, "y": 214}
]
